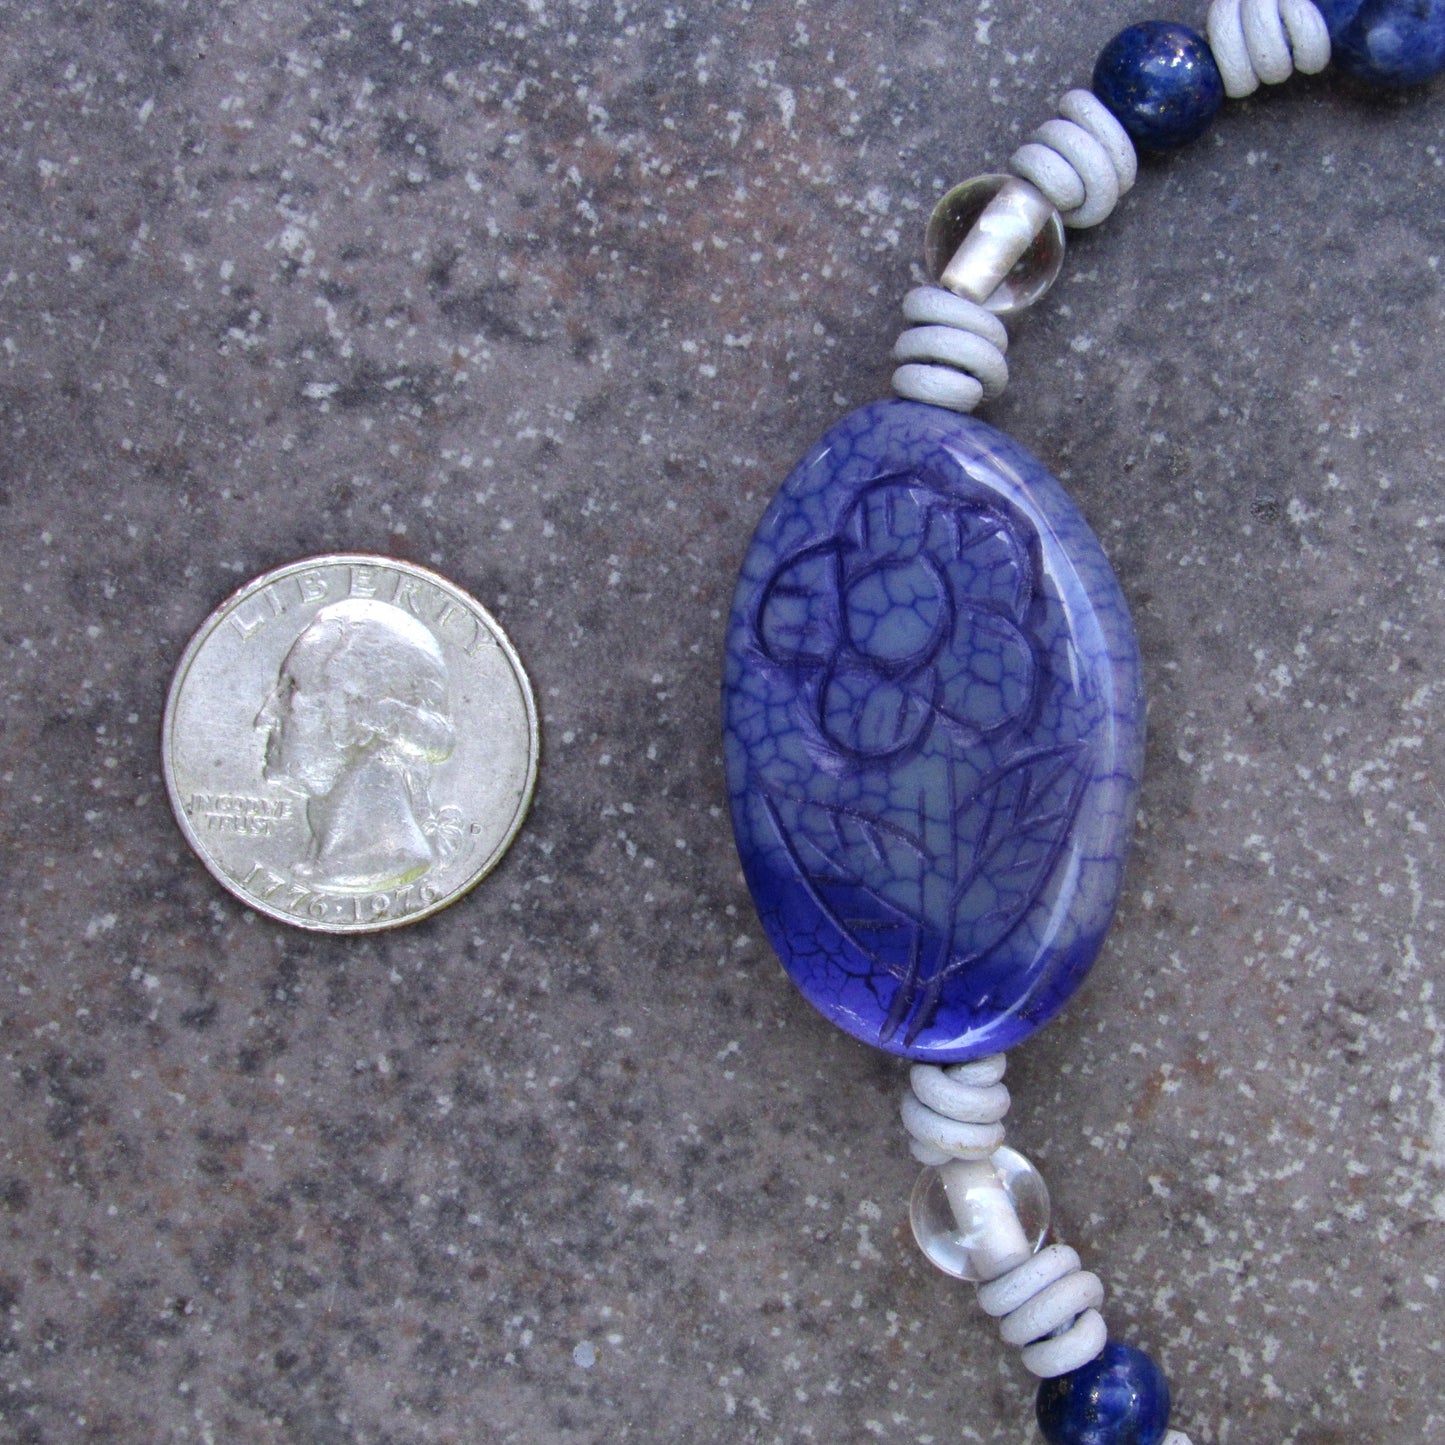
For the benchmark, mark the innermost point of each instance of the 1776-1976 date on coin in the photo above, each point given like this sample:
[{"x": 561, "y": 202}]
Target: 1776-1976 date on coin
[{"x": 350, "y": 743}]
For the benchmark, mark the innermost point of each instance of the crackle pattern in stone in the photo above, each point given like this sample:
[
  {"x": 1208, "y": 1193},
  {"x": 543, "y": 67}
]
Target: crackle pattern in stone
[
  {"x": 933, "y": 733},
  {"x": 1387, "y": 42}
]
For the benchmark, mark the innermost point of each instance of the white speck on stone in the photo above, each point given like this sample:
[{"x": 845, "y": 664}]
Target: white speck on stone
[
  {"x": 292, "y": 240},
  {"x": 147, "y": 109},
  {"x": 584, "y": 1354},
  {"x": 1435, "y": 1090}
]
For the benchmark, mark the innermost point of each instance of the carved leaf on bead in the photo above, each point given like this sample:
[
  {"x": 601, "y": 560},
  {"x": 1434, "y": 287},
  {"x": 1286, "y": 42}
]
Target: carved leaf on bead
[{"x": 925, "y": 905}]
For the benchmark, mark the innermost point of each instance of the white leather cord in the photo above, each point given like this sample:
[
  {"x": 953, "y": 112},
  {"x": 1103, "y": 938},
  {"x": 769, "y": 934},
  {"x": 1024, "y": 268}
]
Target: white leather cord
[
  {"x": 953, "y": 356},
  {"x": 1265, "y": 41},
  {"x": 1083, "y": 162}
]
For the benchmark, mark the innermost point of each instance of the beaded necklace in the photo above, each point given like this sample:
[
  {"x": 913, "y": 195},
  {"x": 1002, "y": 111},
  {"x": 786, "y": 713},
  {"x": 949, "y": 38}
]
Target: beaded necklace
[
  {"x": 565, "y": 1164},
  {"x": 933, "y": 708}
]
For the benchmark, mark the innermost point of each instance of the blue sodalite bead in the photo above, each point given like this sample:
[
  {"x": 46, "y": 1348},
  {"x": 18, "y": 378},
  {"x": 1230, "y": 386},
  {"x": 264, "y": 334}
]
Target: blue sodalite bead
[
  {"x": 1161, "y": 81},
  {"x": 1119, "y": 1398},
  {"x": 933, "y": 733},
  {"x": 1387, "y": 42}
]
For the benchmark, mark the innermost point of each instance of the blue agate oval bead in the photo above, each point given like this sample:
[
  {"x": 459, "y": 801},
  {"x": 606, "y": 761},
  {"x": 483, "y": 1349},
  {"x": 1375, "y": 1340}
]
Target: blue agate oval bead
[
  {"x": 1161, "y": 82},
  {"x": 933, "y": 731},
  {"x": 1121, "y": 1397},
  {"x": 1387, "y": 42}
]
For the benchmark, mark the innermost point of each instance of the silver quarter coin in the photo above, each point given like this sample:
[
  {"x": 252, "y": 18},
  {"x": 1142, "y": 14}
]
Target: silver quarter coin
[{"x": 350, "y": 743}]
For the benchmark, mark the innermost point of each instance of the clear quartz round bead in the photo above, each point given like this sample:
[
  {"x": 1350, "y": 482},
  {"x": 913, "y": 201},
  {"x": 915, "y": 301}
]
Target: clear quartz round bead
[
  {"x": 936, "y": 1225},
  {"x": 1006, "y": 221}
]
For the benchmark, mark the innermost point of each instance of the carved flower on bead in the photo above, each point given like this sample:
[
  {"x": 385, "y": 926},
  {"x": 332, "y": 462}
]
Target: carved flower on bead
[{"x": 910, "y": 616}]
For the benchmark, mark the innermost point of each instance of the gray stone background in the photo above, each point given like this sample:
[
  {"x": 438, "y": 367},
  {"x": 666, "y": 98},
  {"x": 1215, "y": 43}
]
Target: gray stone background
[{"x": 548, "y": 296}]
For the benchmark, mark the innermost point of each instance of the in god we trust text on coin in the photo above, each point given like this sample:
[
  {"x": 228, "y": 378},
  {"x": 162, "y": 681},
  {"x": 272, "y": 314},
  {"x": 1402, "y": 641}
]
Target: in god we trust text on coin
[{"x": 350, "y": 743}]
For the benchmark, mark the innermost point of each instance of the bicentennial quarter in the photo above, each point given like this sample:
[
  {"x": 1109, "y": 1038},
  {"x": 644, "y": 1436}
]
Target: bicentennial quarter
[{"x": 350, "y": 743}]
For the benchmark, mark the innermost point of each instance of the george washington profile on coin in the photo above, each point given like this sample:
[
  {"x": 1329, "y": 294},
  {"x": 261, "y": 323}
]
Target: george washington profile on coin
[{"x": 357, "y": 719}]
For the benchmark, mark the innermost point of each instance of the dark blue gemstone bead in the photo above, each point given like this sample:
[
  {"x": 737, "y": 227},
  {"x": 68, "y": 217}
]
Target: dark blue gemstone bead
[
  {"x": 1387, "y": 42},
  {"x": 1120, "y": 1398},
  {"x": 933, "y": 733},
  {"x": 1161, "y": 81}
]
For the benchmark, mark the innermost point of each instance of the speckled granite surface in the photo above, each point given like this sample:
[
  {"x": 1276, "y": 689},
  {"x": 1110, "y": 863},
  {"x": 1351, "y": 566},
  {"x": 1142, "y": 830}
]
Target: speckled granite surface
[{"x": 548, "y": 297}]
